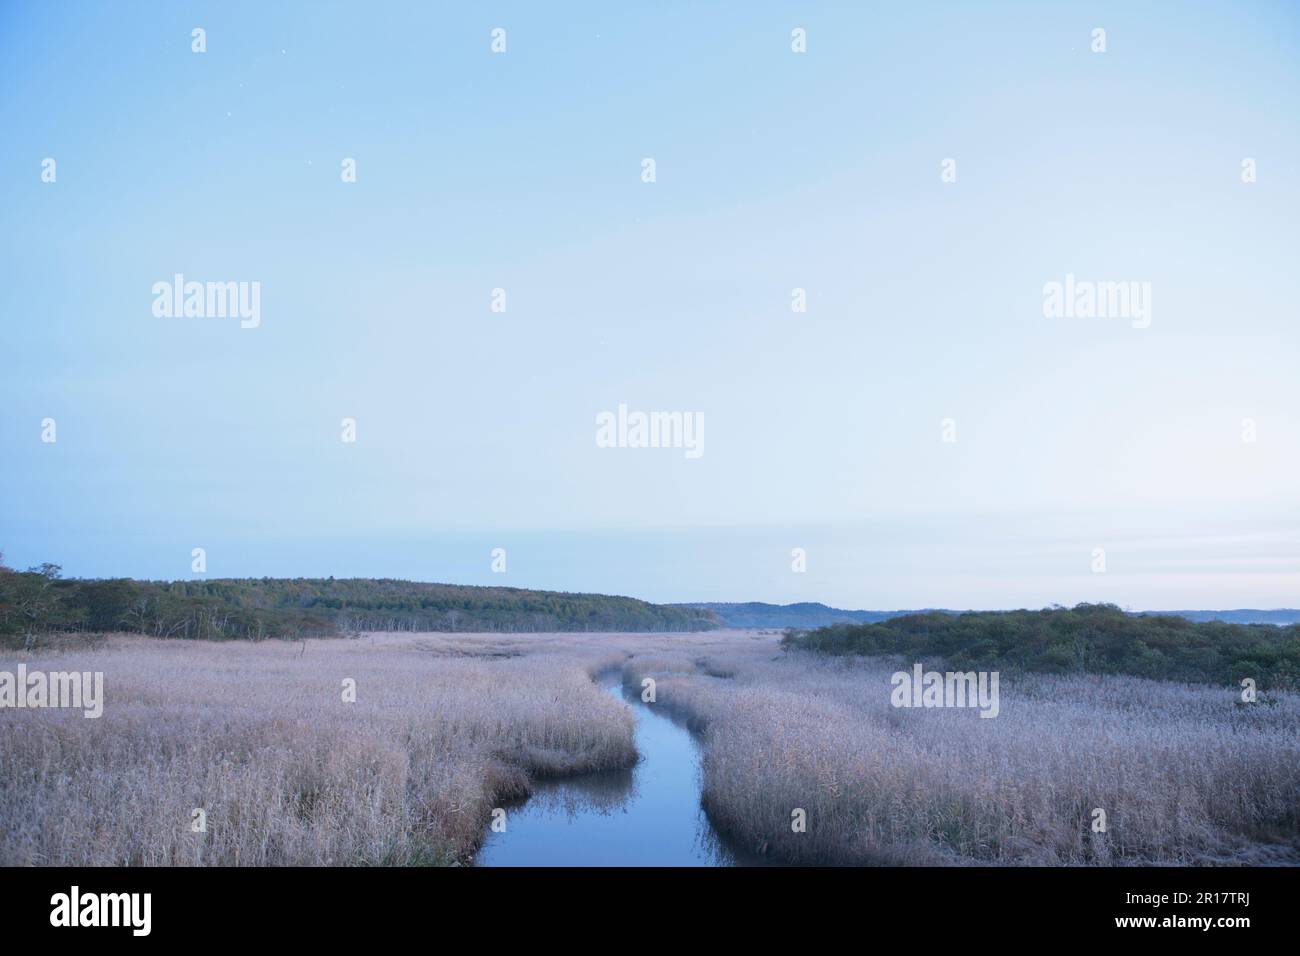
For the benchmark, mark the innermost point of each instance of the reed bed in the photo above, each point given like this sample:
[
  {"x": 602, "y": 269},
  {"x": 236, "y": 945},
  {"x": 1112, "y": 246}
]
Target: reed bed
[
  {"x": 258, "y": 736},
  {"x": 1185, "y": 774},
  {"x": 445, "y": 727}
]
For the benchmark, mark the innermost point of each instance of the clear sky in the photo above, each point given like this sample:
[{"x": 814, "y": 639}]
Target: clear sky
[{"x": 775, "y": 170}]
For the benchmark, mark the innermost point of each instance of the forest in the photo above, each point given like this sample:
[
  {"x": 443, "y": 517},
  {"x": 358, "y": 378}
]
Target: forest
[
  {"x": 1085, "y": 639},
  {"x": 41, "y": 601}
]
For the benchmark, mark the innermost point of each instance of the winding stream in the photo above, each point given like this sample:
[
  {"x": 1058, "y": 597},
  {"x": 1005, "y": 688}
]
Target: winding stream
[{"x": 648, "y": 815}]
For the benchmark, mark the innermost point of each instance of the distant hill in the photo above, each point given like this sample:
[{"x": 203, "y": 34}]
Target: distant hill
[
  {"x": 39, "y": 601},
  {"x": 805, "y": 614},
  {"x": 814, "y": 614},
  {"x": 1279, "y": 616}
]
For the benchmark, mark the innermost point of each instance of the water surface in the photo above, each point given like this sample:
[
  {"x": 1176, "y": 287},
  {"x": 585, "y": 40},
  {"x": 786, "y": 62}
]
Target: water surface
[{"x": 649, "y": 815}]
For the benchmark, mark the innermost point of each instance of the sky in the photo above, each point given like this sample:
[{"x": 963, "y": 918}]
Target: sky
[{"x": 924, "y": 431}]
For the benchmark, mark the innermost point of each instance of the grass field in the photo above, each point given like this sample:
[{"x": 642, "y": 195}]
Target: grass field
[
  {"x": 259, "y": 737},
  {"x": 1183, "y": 773},
  {"x": 446, "y": 726}
]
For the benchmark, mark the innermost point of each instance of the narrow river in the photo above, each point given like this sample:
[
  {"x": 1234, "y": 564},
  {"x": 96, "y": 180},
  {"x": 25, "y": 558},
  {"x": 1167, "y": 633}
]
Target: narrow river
[{"x": 649, "y": 815}]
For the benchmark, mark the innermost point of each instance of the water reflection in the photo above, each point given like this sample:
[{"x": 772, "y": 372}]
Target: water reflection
[
  {"x": 649, "y": 815},
  {"x": 604, "y": 792}
]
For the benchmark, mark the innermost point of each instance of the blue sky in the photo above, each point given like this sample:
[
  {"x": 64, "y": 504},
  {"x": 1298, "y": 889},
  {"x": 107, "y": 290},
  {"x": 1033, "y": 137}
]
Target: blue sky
[{"x": 775, "y": 170}]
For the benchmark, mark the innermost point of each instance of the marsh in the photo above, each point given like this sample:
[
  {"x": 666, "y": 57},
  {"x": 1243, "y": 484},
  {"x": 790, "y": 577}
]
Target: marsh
[{"x": 742, "y": 737}]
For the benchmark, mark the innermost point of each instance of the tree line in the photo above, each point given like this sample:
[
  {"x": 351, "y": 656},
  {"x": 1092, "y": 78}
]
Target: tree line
[
  {"x": 1088, "y": 638},
  {"x": 41, "y": 601}
]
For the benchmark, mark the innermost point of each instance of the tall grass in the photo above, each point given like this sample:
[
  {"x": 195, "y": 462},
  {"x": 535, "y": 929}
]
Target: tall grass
[
  {"x": 258, "y": 736},
  {"x": 447, "y": 726},
  {"x": 1185, "y": 774}
]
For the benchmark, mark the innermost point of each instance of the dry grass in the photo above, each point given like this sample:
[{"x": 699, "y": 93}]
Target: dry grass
[
  {"x": 1183, "y": 773},
  {"x": 448, "y": 726},
  {"x": 258, "y": 735}
]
